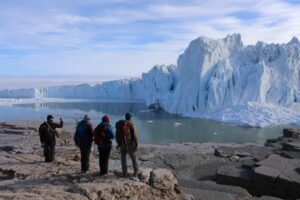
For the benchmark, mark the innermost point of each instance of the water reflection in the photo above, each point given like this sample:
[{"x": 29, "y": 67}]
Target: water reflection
[{"x": 154, "y": 126}]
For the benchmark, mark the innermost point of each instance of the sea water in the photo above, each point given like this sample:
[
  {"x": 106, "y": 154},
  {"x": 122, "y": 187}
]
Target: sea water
[{"x": 154, "y": 126}]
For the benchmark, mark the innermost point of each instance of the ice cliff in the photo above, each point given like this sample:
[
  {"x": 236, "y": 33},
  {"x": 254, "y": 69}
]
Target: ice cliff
[
  {"x": 212, "y": 78},
  {"x": 214, "y": 74}
]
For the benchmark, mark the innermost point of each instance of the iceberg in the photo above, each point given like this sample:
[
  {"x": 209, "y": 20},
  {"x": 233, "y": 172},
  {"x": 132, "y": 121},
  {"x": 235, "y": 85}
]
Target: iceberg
[{"x": 257, "y": 85}]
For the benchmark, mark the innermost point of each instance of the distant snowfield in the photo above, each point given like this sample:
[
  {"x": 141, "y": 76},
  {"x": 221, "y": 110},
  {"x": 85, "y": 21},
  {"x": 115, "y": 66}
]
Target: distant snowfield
[
  {"x": 20, "y": 101},
  {"x": 255, "y": 85},
  {"x": 17, "y": 82}
]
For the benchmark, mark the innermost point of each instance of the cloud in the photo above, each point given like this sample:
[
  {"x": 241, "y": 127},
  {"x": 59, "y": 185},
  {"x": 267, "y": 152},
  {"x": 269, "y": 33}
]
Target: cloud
[{"x": 128, "y": 37}]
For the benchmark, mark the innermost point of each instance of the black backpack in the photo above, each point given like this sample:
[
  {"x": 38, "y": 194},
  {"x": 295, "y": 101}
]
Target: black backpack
[{"x": 46, "y": 133}]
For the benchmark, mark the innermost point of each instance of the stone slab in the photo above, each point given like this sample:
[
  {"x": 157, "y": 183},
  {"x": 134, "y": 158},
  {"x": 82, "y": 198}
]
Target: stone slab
[
  {"x": 291, "y": 146},
  {"x": 290, "y": 132}
]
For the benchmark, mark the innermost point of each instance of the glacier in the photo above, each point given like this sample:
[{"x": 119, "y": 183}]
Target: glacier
[{"x": 256, "y": 85}]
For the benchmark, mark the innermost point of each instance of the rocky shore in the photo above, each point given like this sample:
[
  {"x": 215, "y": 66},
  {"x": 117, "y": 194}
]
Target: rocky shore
[{"x": 172, "y": 171}]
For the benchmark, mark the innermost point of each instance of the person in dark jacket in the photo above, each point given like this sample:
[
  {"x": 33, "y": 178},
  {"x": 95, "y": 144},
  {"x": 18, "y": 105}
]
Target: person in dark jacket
[
  {"x": 48, "y": 138},
  {"x": 103, "y": 134},
  {"x": 84, "y": 139}
]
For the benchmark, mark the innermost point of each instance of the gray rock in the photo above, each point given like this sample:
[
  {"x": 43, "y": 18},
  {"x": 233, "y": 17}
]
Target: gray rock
[
  {"x": 290, "y": 154},
  {"x": 7, "y": 148},
  {"x": 243, "y": 154},
  {"x": 273, "y": 140},
  {"x": 277, "y": 176},
  {"x": 144, "y": 158},
  {"x": 13, "y": 131},
  {"x": 188, "y": 197},
  {"x": 224, "y": 151},
  {"x": 291, "y": 146},
  {"x": 258, "y": 152},
  {"x": 208, "y": 190},
  {"x": 291, "y": 133},
  {"x": 247, "y": 162},
  {"x": 163, "y": 179},
  {"x": 234, "y": 158},
  {"x": 7, "y": 174},
  {"x": 232, "y": 175},
  {"x": 144, "y": 174},
  {"x": 267, "y": 198}
]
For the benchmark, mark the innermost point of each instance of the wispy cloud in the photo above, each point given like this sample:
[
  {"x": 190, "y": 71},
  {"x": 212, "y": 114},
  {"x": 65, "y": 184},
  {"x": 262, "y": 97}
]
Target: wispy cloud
[{"x": 127, "y": 37}]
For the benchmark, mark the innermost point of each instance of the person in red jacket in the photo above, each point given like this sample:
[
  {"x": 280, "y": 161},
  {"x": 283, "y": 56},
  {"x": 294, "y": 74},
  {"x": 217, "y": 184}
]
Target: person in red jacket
[{"x": 103, "y": 134}]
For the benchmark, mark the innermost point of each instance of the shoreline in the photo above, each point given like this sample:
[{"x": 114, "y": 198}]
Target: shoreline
[
  {"x": 70, "y": 127},
  {"x": 207, "y": 169}
]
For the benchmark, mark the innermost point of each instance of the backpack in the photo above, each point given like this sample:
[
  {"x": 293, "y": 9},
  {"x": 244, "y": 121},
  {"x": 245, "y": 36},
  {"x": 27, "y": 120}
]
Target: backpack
[
  {"x": 99, "y": 135},
  {"x": 46, "y": 133},
  {"x": 123, "y": 134},
  {"x": 80, "y": 137}
]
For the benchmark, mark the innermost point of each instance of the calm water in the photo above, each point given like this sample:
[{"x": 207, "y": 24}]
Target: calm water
[{"x": 153, "y": 126}]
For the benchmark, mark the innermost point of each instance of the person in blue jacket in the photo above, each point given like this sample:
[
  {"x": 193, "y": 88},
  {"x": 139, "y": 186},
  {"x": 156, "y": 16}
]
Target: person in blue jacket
[{"x": 103, "y": 134}]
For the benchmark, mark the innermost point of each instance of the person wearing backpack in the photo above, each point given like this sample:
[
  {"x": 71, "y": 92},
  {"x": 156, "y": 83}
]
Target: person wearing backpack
[
  {"x": 103, "y": 134},
  {"x": 48, "y": 134},
  {"x": 83, "y": 139},
  {"x": 126, "y": 137}
]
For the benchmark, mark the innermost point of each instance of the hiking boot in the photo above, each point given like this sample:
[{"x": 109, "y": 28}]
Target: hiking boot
[{"x": 103, "y": 174}]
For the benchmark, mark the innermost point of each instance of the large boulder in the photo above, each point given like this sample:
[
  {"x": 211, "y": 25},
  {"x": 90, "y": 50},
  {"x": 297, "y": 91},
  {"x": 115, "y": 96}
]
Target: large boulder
[
  {"x": 163, "y": 179},
  {"x": 144, "y": 174}
]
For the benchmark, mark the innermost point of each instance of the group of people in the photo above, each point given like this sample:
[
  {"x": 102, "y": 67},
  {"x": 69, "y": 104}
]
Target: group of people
[{"x": 102, "y": 136}]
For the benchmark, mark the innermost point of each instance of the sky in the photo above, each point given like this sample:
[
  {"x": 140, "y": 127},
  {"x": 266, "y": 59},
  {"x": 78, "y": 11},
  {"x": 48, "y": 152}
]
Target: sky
[{"x": 124, "y": 38}]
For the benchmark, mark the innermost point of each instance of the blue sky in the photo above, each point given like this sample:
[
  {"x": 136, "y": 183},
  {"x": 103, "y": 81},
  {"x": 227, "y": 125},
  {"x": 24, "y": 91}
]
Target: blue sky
[{"x": 120, "y": 38}]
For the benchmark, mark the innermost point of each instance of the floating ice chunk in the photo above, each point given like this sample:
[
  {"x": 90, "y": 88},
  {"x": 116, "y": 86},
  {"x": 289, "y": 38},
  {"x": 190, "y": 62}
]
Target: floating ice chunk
[{"x": 176, "y": 124}]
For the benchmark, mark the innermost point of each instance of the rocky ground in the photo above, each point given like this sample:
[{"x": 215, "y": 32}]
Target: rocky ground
[{"x": 172, "y": 171}]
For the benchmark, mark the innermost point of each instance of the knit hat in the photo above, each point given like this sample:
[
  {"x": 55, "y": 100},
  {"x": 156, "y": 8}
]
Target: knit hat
[{"x": 105, "y": 118}]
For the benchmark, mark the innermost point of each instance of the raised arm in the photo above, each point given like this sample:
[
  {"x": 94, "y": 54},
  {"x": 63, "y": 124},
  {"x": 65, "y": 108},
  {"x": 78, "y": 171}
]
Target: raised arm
[{"x": 56, "y": 125}]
